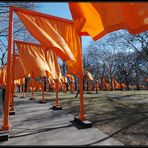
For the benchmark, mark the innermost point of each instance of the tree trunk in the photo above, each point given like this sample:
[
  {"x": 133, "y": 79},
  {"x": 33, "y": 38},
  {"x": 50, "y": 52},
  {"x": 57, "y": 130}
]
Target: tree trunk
[
  {"x": 127, "y": 82},
  {"x": 111, "y": 84}
]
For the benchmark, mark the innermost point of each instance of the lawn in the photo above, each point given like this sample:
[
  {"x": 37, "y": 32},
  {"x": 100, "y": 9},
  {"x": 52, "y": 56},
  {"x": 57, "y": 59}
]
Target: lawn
[{"x": 120, "y": 114}]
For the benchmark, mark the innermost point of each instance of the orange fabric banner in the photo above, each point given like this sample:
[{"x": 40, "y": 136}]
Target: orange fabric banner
[
  {"x": 102, "y": 18},
  {"x": 3, "y": 75},
  {"x": 116, "y": 84},
  {"x": 71, "y": 78},
  {"x": 105, "y": 84},
  {"x": 41, "y": 62},
  {"x": 123, "y": 86},
  {"x": 19, "y": 71},
  {"x": 21, "y": 81},
  {"x": 33, "y": 59},
  {"x": 53, "y": 64},
  {"x": 32, "y": 84},
  {"x": 88, "y": 75},
  {"x": 44, "y": 30},
  {"x": 59, "y": 36}
]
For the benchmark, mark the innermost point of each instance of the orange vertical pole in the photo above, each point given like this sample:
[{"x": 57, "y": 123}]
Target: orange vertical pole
[
  {"x": 82, "y": 117},
  {"x": 13, "y": 74},
  {"x": 81, "y": 98},
  {"x": 32, "y": 93},
  {"x": 8, "y": 82},
  {"x": 42, "y": 88},
  {"x": 57, "y": 90}
]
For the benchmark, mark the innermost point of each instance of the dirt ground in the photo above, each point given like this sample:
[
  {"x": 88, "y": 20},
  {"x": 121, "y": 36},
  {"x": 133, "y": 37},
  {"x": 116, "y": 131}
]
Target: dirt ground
[{"x": 120, "y": 114}]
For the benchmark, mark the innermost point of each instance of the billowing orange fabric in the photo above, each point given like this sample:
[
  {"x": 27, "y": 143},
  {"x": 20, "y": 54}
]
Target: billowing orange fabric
[
  {"x": 44, "y": 30},
  {"x": 88, "y": 75},
  {"x": 3, "y": 75},
  {"x": 32, "y": 84},
  {"x": 53, "y": 64},
  {"x": 16, "y": 81},
  {"x": 38, "y": 73},
  {"x": 116, "y": 85},
  {"x": 71, "y": 78},
  {"x": 39, "y": 86},
  {"x": 21, "y": 81},
  {"x": 58, "y": 35},
  {"x": 33, "y": 59},
  {"x": 1, "y": 80},
  {"x": 19, "y": 71},
  {"x": 72, "y": 82},
  {"x": 41, "y": 62},
  {"x": 102, "y": 18},
  {"x": 52, "y": 83},
  {"x": 106, "y": 85},
  {"x": 64, "y": 81},
  {"x": 123, "y": 86}
]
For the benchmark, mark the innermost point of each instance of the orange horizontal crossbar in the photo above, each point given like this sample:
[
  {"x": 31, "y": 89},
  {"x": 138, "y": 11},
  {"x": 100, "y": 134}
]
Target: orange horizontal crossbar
[
  {"x": 13, "y": 8},
  {"x": 84, "y": 34},
  {"x": 28, "y": 43}
]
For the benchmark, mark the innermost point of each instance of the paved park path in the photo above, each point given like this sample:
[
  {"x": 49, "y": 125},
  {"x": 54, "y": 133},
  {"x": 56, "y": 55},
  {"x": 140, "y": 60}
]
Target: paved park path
[{"x": 36, "y": 124}]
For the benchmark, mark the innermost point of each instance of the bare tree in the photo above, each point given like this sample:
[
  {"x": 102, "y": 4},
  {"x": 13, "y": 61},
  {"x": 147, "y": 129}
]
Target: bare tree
[
  {"x": 19, "y": 31},
  {"x": 139, "y": 44},
  {"x": 120, "y": 55}
]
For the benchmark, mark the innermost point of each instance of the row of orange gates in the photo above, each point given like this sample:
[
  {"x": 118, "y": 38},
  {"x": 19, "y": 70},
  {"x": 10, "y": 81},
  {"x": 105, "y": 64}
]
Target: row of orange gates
[
  {"x": 61, "y": 38},
  {"x": 63, "y": 85}
]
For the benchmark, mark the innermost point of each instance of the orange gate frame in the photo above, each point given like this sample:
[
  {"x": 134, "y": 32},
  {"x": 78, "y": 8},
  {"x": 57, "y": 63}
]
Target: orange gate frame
[
  {"x": 13, "y": 75},
  {"x": 6, "y": 126},
  {"x": 8, "y": 82}
]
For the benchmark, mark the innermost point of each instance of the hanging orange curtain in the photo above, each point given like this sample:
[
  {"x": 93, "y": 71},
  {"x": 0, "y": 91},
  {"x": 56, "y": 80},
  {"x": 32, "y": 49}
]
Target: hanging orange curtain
[
  {"x": 53, "y": 64},
  {"x": 56, "y": 34},
  {"x": 123, "y": 85},
  {"x": 19, "y": 68},
  {"x": 116, "y": 84},
  {"x": 64, "y": 81},
  {"x": 19, "y": 71},
  {"x": 52, "y": 83},
  {"x": 105, "y": 84},
  {"x": 88, "y": 75},
  {"x": 41, "y": 62},
  {"x": 21, "y": 81},
  {"x": 33, "y": 59},
  {"x": 32, "y": 84},
  {"x": 39, "y": 86},
  {"x": 72, "y": 82},
  {"x": 102, "y": 18},
  {"x": 3, "y": 75}
]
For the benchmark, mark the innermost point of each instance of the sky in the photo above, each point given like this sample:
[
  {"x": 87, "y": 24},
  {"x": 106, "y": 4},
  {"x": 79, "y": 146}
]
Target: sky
[{"x": 60, "y": 9}]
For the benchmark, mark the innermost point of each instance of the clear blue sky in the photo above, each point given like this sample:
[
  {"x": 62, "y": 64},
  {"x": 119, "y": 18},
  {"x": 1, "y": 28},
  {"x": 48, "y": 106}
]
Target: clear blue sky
[{"x": 60, "y": 9}]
